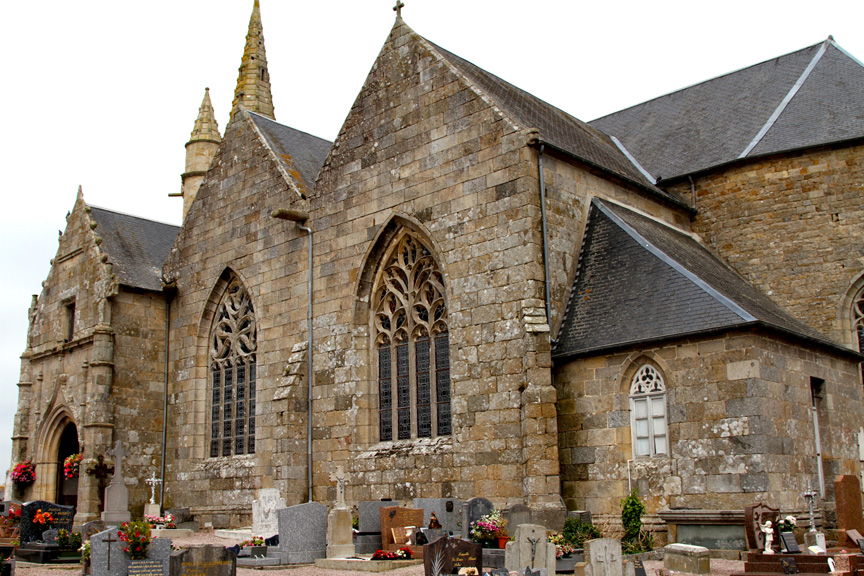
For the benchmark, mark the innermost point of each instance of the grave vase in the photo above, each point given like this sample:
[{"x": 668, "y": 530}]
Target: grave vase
[{"x": 502, "y": 542}]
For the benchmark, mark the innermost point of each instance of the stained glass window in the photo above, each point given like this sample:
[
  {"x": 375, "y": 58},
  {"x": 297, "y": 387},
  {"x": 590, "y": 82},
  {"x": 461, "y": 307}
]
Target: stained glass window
[
  {"x": 648, "y": 413},
  {"x": 232, "y": 374},
  {"x": 412, "y": 343}
]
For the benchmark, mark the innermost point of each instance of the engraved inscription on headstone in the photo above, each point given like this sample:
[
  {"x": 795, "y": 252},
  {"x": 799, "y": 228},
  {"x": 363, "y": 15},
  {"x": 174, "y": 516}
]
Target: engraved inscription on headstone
[
  {"x": 448, "y": 555},
  {"x": 62, "y": 518},
  {"x": 790, "y": 543},
  {"x": 639, "y": 567},
  {"x": 145, "y": 568}
]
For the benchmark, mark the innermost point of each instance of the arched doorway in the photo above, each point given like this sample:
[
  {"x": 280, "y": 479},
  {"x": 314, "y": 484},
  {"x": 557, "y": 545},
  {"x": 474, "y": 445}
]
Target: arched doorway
[{"x": 67, "y": 489}]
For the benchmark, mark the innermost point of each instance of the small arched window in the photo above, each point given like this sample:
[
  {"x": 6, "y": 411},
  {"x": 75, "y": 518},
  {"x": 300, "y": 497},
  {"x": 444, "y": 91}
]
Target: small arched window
[
  {"x": 648, "y": 413},
  {"x": 232, "y": 374},
  {"x": 412, "y": 343}
]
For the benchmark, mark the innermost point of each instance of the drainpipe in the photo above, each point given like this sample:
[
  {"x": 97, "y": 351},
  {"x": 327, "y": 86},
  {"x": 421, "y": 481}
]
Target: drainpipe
[
  {"x": 300, "y": 218},
  {"x": 692, "y": 191},
  {"x": 170, "y": 294},
  {"x": 545, "y": 237}
]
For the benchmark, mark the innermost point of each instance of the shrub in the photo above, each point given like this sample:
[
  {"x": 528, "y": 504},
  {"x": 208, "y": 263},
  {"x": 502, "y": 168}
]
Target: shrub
[
  {"x": 576, "y": 533},
  {"x": 635, "y": 539}
]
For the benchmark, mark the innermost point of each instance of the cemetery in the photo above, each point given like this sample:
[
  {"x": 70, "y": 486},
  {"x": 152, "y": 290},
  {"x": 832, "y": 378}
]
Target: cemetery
[{"x": 443, "y": 535}]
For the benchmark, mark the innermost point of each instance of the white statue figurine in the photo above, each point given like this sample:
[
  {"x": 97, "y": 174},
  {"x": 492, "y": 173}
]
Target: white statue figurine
[{"x": 768, "y": 530}]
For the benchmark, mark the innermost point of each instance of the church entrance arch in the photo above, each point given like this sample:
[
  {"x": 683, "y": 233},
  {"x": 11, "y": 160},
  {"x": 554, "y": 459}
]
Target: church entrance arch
[{"x": 67, "y": 488}]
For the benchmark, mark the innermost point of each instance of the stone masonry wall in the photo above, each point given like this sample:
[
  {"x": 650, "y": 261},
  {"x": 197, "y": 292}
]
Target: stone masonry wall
[
  {"x": 421, "y": 149},
  {"x": 228, "y": 230},
  {"x": 739, "y": 425},
  {"x": 793, "y": 225}
]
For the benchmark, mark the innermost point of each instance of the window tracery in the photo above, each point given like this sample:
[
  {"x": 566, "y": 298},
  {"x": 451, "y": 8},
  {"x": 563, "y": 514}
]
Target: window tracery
[
  {"x": 413, "y": 344},
  {"x": 648, "y": 412},
  {"x": 233, "y": 374},
  {"x": 858, "y": 319}
]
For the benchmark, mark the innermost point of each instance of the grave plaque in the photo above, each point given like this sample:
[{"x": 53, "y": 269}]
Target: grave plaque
[
  {"x": 31, "y": 532},
  {"x": 789, "y": 566},
  {"x": 449, "y": 555},
  {"x": 303, "y": 532},
  {"x": 473, "y": 510},
  {"x": 145, "y": 568},
  {"x": 861, "y": 545},
  {"x": 203, "y": 561},
  {"x": 639, "y": 567},
  {"x": 790, "y": 543}
]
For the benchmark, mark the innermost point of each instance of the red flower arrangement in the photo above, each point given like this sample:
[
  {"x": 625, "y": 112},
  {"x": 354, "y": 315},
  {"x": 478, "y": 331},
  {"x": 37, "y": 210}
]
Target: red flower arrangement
[
  {"x": 11, "y": 519},
  {"x": 136, "y": 535},
  {"x": 403, "y": 553},
  {"x": 24, "y": 472},
  {"x": 72, "y": 466},
  {"x": 43, "y": 518}
]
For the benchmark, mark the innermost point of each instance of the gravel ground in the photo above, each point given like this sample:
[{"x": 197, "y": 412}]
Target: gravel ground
[{"x": 718, "y": 567}]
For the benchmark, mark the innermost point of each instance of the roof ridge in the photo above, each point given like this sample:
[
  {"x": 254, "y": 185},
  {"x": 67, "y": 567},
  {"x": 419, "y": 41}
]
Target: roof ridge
[
  {"x": 713, "y": 78},
  {"x": 786, "y": 99},
  {"x": 733, "y": 306},
  {"x": 131, "y": 215}
]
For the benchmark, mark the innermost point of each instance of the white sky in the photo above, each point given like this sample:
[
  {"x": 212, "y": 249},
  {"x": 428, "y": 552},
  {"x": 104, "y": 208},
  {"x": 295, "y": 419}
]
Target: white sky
[{"x": 104, "y": 93}]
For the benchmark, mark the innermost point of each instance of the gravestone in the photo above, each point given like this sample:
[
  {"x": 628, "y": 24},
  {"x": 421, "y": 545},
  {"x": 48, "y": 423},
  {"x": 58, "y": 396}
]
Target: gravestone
[
  {"x": 369, "y": 515},
  {"x": 517, "y": 515},
  {"x": 117, "y": 494},
  {"x": 203, "y": 561},
  {"x": 529, "y": 547},
  {"x": 340, "y": 541},
  {"x": 4, "y": 507},
  {"x": 394, "y": 521},
  {"x": 91, "y": 528},
  {"x": 847, "y": 497},
  {"x": 264, "y": 521},
  {"x": 473, "y": 510},
  {"x": 30, "y": 532},
  {"x": 686, "y": 558},
  {"x": 448, "y": 555},
  {"x": 447, "y": 510},
  {"x": 107, "y": 557},
  {"x": 303, "y": 532},
  {"x": 754, "y": 517},
  {"x": 603, "y": 558}
]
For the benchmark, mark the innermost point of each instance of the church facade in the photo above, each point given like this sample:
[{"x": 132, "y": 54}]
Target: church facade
[{"x": 505, "y": 301}]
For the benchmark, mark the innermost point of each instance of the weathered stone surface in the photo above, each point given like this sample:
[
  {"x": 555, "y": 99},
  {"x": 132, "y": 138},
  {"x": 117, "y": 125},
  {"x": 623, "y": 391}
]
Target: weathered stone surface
[
  {"x": 447, "y": 510},
  {"x": 685, "y": 558},
  {"x": 847, "y": 494},
  {"x": 529, "y": 547},
  {"x": 303, "y": 532},
  {"x": 264, "y": 520}
]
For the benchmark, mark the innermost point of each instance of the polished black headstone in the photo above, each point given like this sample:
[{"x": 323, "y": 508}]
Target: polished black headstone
[{"x": 30, "y": 532}]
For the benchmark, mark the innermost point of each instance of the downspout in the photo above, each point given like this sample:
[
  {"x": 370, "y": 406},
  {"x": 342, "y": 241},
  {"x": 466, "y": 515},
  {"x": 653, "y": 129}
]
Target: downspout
[
  {"x": 309, "y": 369},
  {"x": 692, "y": 191},
  {"x": 170, "y": 294},
  {"x": 545, "y": 237}
]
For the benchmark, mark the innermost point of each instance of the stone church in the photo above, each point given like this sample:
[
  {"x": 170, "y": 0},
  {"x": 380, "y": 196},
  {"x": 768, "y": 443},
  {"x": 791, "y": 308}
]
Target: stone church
[{"x": 473, "y": 293}]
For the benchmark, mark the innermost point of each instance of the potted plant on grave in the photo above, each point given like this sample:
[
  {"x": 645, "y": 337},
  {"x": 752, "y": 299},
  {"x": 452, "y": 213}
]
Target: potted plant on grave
[
  {"x": 485, "y": 529},
  {"x": 136, "y": 535},
  {"x": 72, "y": 466},
  {"x": 255, "y": 545},
  {"x": 69, "y": 543},
  {"x": 85, "y": 556},
  {"x": 502, "y": 534},
  {"x": 166, "y": 522}
]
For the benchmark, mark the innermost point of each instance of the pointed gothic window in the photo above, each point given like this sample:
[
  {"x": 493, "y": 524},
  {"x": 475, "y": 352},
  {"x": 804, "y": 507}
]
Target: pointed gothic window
[
  {"x": 413, "y": 344},
  {"x": 648, "y": 413},
  {"x": 232, "y": 374},
  {"x": 858, "y": 320}
]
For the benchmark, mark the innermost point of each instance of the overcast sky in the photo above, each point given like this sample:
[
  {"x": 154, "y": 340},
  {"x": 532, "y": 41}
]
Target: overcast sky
[{"x": 103, "y": 94}]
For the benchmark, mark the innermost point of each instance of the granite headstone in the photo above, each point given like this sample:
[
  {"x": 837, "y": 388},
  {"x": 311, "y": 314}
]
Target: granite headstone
[
  {"x": 203, "y": 561},
  {"x": 30, "y": 532},
  {"x": 473, "y": 510},
  {"x": 303, "y": 532},
  {"x": 107, "y": 557},
  {"x": 448, "y": 555},
  {"x": 369, "y": 515},
  {"x": 847, "y": 498}
]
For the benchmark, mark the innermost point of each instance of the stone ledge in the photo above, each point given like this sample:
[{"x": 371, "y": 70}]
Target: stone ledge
[
  {"x": 362, "y": 565},
  {"x": 171, "y": 533}
]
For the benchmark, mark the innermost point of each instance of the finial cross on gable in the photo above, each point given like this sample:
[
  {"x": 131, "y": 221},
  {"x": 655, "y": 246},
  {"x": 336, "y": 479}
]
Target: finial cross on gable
[{"x": 398, "y": 8}]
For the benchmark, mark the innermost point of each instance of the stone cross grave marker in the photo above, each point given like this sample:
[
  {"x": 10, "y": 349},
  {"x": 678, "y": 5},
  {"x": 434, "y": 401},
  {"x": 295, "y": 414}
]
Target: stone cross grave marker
[
  {"x": 473, "y": 510},
  {"x": 529, "y": 547},
  {"x": 206, "y": 560},
  {"x": 264, "y": 520},
  {"x": 448, "y": 555},
  {"x": 604, "y": 557},
  {"x": 338, "y": 476},
  {"x": 153, "y": 482},
  {"x": 30, "y": 532},
  {"x": 116, "y": 494},
  {"x": 303, "y": 532}
]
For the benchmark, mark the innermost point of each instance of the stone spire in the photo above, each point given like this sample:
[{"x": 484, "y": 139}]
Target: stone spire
[
  {"x": 253, "y": 81},
  {"x": 200, "y": 151}
]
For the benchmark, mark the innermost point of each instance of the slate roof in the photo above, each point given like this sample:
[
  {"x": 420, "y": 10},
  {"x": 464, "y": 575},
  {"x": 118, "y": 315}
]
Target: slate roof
[
  {"x": 557, "y": 128},
  {"x": 136, "y": 247},
  {"x": 715, "y": 122},
  {"x": 639, "y": 280},
  {"x": 305, "y": 151}
]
